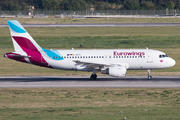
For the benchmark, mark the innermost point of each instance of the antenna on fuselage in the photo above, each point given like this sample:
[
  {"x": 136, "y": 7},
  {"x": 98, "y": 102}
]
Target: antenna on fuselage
[
  {"x": 72, "y": 48},
  {"x": 146, "y": 48}
]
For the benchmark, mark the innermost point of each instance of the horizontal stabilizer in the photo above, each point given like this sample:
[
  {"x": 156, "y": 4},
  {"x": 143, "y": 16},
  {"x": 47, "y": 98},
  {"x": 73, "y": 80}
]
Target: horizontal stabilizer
[{"x": 16, "y": 55}]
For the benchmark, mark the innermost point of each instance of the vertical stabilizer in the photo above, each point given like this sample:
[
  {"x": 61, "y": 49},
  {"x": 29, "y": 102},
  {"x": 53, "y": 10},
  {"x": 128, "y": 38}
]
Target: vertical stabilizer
[
  {"x": 26, "y": 48},
  {"x": 22, "y": 41}
]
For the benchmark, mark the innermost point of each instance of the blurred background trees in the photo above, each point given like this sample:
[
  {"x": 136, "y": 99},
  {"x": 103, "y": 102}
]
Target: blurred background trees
[{"x": 88, "y": 4}]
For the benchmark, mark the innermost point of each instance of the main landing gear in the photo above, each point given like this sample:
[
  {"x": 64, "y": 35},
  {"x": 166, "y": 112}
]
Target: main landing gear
[
  {"x": 94, "y": 76},
  {"x": 149, "y": 75}
]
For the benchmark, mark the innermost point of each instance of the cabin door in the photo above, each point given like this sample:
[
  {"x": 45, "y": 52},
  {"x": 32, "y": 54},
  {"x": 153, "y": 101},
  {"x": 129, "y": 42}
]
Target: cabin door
[{"x": 149, "y": 57}]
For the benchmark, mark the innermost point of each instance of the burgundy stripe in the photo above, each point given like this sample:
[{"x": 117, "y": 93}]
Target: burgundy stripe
[
  {"x": 25, "y": 43},
  {"x": 28, "y": 47}
]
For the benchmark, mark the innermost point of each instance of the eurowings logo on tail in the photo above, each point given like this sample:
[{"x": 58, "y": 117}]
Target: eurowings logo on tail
[
  {"x": 26, "y": 48},
  {"x": 16, "y": 27}
]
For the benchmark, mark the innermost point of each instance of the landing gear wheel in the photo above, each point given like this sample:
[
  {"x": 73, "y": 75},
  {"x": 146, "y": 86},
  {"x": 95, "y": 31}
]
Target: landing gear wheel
[
  {"x": 149, "y": 74},
  {"x": 93, "y": 77},
  {"x": 149, "y": 77}
]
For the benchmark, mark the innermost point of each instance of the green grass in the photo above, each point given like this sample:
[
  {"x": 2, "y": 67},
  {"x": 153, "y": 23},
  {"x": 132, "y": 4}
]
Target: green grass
[
  {"x": 100, "y": 37},
  {"x": 101, "y": 42},
  {"x": 93, "y": 113},
  {"x": 52, "y": 20},
  {"x": 65, "y": 103},
  {"x": 166, "y": 39}
]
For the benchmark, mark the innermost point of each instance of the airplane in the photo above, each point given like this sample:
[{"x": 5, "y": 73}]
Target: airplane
[{"x": 114, "y": 62}]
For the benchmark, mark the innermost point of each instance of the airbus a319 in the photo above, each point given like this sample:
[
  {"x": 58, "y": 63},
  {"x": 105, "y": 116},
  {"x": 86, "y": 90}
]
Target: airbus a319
[{"x": 114, "y": 62}]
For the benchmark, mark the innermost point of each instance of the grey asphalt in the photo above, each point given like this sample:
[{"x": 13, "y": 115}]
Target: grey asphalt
[
  {"x": 100, "y": 25},
  {"x": 85, "y": 82}
]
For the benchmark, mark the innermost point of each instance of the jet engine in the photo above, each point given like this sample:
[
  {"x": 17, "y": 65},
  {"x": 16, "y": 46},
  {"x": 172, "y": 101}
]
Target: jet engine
[{"x": 118, "y": 71}]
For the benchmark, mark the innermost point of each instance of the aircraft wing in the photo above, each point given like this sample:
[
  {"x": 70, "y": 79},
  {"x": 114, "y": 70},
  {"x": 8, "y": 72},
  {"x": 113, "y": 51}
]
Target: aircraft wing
[
  {"x": 96, "y": 65},
  {"x": 91, "y": 64}
]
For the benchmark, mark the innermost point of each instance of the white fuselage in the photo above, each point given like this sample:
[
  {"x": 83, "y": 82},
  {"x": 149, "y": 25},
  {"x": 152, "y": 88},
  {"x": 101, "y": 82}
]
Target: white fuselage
[{"x": 133, "y": 59}]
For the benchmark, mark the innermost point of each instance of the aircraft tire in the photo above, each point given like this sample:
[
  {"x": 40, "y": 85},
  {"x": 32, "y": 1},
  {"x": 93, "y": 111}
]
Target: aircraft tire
[
  {"x": 93, "y": 77},
  {"x": 149, "y": 77}
]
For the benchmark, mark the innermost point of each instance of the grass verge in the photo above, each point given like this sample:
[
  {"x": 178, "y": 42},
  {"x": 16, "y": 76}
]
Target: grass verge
[
  {"x": 90, "y": 20},
  {"x": 90, "y": 103}
]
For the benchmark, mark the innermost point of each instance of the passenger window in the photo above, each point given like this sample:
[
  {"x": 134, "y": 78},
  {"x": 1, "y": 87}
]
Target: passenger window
[{"x": 99, "y": 56}]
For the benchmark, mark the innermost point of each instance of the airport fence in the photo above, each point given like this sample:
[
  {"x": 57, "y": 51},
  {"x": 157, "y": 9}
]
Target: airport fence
[{"x": 85, "y": 13}]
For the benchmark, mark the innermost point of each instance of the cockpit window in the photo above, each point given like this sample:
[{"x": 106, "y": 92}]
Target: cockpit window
[{"x": 162, "y": 56}]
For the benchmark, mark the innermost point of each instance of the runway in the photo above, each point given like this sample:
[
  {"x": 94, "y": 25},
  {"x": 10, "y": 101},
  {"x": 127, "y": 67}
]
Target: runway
[
  {"x": 100, "y": 25},
  {"x": 85, "y": 82}
]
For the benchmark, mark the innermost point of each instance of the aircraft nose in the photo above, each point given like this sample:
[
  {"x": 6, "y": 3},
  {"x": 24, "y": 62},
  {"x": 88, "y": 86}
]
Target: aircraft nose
[{"x": 172, "y": 62}]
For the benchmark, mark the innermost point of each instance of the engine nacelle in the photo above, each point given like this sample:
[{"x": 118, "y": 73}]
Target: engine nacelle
[{"x": 117, "y": 71}]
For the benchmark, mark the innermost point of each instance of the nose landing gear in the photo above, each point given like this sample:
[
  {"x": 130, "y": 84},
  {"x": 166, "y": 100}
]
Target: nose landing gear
[{"x": 149, "y": 74}]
